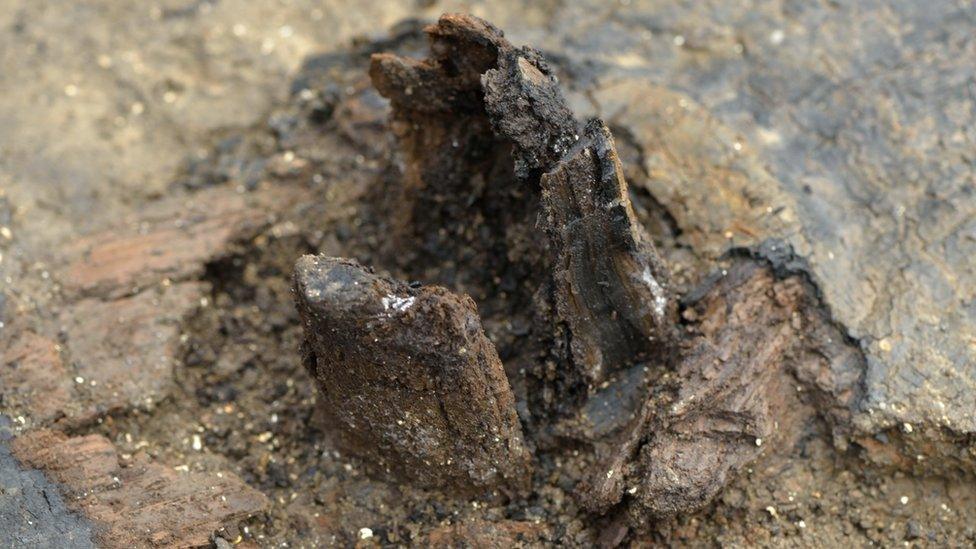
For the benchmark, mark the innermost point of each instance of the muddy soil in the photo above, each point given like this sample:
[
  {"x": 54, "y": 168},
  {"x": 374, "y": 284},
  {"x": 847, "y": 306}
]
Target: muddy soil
[{"x": 319, "y": 173}]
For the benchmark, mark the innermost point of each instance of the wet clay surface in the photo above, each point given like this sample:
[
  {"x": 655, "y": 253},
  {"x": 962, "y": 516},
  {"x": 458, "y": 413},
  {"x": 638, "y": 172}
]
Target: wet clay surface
[{"x": 199, "y": 316}]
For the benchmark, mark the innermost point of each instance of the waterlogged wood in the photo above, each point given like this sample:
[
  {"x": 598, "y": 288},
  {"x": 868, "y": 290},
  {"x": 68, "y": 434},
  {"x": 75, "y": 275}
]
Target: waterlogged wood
[
  {"x": 408, "y": 379},
  {"x": 729, "y": 400},
  {"x": 733, "y": 395},
  {"x": 485, "y": 130},
  {"x": 489, "y": 140},
  {"x": 612, "y": 290}
]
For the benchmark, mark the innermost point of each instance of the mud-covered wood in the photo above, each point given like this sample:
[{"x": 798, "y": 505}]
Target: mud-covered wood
[
  {"x": 457, "y": 212},
  {"x": 408, "y": 379},
  {"x": 500, "y": 180},
  {"x": 733, "y": 396},
  {"x": 612, "y": 290},
  {"x": 484, "y": 129},
  {"x": 729, "y": 400},
  {"x": 527, "y": 107},
  {"x": 853, "y": 142}
]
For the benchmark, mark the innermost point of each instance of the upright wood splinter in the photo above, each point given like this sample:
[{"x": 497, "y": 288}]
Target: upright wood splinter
[{"x": 408, "y": 380}]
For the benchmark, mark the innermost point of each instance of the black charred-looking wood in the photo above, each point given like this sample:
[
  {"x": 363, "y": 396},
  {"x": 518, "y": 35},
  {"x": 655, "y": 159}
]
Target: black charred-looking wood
[
  {"x": 526, "y": 106},
  {"x": 501, "y": 184},
  {"x": 612, "y": 290},
  {"x": 485, "y": 131},
  {"x": 408, "y": 379},
  {"x": 505, "y": 197},
  {"x": 460, "y": 215},
  {"x": 486, "y": 135}
]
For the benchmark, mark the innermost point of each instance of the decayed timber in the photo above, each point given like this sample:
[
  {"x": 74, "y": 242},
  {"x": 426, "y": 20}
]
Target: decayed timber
[
  {"x": 408, "y": 379},
  {"x": 134, "y": 501},
  {"x": 728, "y": 401},
  {"x": 481, "y": 123},
  {"x": 611, "y": 288},
  {"x": 495, "y": 164},
  {"x": 496, "y": 170}
]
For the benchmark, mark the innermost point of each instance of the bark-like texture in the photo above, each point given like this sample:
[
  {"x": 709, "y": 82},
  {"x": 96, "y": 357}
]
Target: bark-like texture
[
  {"x": 732, "y": 396},
  {"x": 408, "y": 379},
  {"x": 487, "y": 134},
  {"x": 733, "y": 393},
  {"x": 853, "y": 142},
  {"x": 134, "y": 501},
  {"x": 497, "y": 180},
  {"x": 527, "y": 107},
  {"x": 612, "y": 290},
  {"x": 484, "y": 129}
]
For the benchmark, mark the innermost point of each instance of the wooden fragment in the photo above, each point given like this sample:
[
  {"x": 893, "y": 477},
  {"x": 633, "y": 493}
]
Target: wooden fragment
[
  {"x": 408, "y": 379},
  {"x": 171, "y": 241},
  {"x": 731, "y": 398},
  {"x": 612, "y": 290},
  {"x": 492, "y": 153}
]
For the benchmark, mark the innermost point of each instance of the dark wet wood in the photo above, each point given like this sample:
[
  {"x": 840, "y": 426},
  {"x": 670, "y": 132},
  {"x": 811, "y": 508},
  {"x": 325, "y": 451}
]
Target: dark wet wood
[{"x": 408, "y": 379}]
